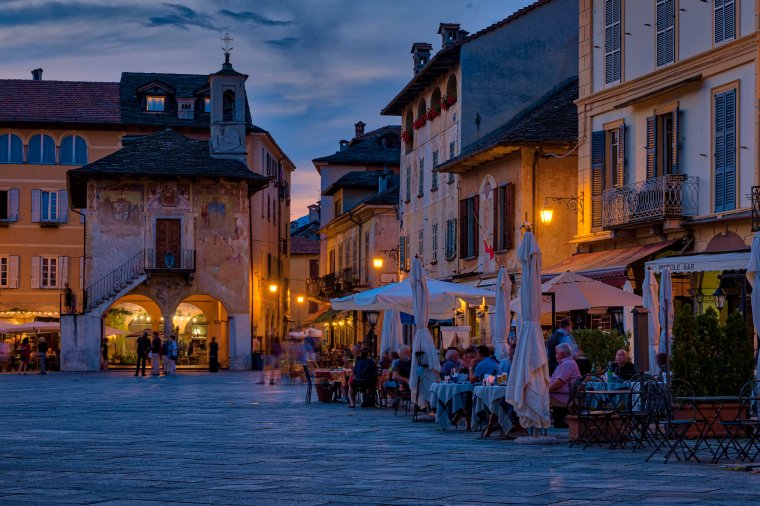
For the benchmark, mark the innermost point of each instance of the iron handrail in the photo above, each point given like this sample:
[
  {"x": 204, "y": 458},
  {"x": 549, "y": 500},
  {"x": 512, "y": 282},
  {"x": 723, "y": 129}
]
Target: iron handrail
[
  {"x": 650, "y": 200},
  {"x": 115, "y": 281}
]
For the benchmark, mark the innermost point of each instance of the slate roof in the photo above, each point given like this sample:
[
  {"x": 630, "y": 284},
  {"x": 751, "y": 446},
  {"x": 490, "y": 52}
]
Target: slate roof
[
  {"x": 28, "y": 101},
  {"x": 165, "y": 154},
  {"x": 304, "y": 246},
  {"x": 553, "y": 118},
  {"x": 355, "y": 179},
  {"x": 377, "y": 147}
]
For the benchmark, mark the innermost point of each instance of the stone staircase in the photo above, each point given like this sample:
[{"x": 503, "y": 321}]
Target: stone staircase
[{"x": 103, "y": 292}]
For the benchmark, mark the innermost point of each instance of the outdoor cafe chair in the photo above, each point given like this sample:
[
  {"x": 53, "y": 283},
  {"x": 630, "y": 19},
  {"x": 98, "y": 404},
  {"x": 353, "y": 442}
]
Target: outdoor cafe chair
[
  {"x": 634, "y": 418},
  {"x": 669, "y": 431},
  {"x": 594, "y": 422},
  {"x": 743, "y": 433},
  {"x": 309, "y": 382}
]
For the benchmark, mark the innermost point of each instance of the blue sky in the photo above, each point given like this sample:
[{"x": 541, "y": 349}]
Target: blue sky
[{"x": 316, "y": 66}]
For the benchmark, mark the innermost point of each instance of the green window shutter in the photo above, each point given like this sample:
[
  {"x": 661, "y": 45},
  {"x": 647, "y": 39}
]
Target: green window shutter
[
  {"x": 725, "y": 151},
  {"x": 674, "y": 156},
  {"x": 597, "y": 177},
  {"x": 620, "y": 155},
  {"x": 651, "y": 148}
]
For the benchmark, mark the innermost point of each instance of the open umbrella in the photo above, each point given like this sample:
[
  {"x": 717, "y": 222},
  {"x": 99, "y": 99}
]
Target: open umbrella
[
  {"x": 390, "y": 337},
  {"x": 666, "y": 312},
  {"x": 627, "y": 315},
  {"x": 500, "y": 318},
  {"x": 425, "y": 365},
  {"x": 110, "y": 331},
  {"x": 528, "y": 383},
  {"x": 753, "y": 275},
  {"x": 7, "y": 327},
  {"x": 312, "y": 332},
  {"x": 296, "y": 335},
  {"x": 650, "y": 289},
  {"x": 37, "y": 327}
]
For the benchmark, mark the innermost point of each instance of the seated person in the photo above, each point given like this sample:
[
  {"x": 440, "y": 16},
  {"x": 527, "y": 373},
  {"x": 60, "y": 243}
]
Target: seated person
[
  {"x": 486, "y": 365},
  {"x": 468, "y": 360},
  {"x": 365, "y": 374},
  {"x": 566, "y": 371},
  {"x": 401, "y": 371},
  {"x": 662, "y": 363},
  {"x": 451, "y": 362},
  {"x": 386, "y": 383},
  {"x": 505, "y": 366},
  {"x": 622, "y": 368}
]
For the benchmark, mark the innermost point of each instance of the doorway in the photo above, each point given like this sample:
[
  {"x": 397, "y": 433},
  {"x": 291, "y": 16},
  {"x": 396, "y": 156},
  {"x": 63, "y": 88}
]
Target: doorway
[{"x": 168, "y": 243}]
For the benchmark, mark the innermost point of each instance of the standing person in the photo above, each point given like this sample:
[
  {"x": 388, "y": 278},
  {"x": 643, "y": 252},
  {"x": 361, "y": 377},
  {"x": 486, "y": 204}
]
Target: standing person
[
  {"x": 173, "y": 353},
  {"x": 165, "y": 356},
  {"x": 562, "y": 335},
  {"x": 104, "y": 354},
  {"x": 42, "y": 349},
  {"x": 143, "y": 346},
  {"x": 155, "y": 359},
  {"x": 275, "y": 359},
  {"x": 68, "y": 299},
  {"x": 5, "y": 355},
  {"x": 26, "y": 352},
  {"x": 213, "y": 356}
]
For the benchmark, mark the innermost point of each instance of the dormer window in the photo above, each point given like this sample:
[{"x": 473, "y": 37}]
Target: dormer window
[
  {"x": 186, "y": 108},
  {"x": 206, "y": 104},
  {"x": 155, "y": 103}
]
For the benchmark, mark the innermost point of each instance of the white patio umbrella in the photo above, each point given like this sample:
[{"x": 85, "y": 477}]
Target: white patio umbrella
[
  {"x": 37, "y": 327},
  {"x": 666, "y": 313},
  {"x": 443, "y": 298},
  {"x": 650, "y": 290},
  {"x": 297, "y": 335},
  {"x": 753, "y": 275},
  {"x": 312, "y": 332},
  {"x": 501, "y": 313},
  {"x": 426, "y": 367},
  {"x": 528, "y": 383},
  {"x": 390, "y": 337},
  {"x": 7, "y": 327},
  {"x": 110, "y": 331},
  {"x": 627, "y": 315}
]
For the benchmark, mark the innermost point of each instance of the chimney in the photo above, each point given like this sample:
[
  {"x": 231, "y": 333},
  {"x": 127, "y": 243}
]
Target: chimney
[
  {"x": 37, "y": 75},
  {"x": 343, "y": 144},
  {"x": 314, "y": 213},
  {"x": 359, "y": 129},
  {"x": 450, "y": 34},
  {"x": 421, "y": 55},
  {"x": 382, "y": 181}
]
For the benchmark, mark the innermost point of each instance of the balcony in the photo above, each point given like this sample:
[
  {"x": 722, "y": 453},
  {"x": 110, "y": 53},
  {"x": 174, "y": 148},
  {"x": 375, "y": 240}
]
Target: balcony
[
  {"x": 650, "y": 201},
  {"x": 755, "y": 208},
  {"x": 329, "y": 286},
  {"x": 169, "y": 263}
]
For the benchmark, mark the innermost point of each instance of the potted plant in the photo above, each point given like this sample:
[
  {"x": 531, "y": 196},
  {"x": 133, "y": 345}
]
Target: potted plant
[
  {"x": 447, "y": 102},
  {"x": 419, "y": 122},
  {"x": 406, "y": 135},
  {"x": 434, "y": 112}
]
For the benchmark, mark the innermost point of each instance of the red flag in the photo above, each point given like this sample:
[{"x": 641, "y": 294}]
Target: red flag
[{"x": 489, "y": 250}]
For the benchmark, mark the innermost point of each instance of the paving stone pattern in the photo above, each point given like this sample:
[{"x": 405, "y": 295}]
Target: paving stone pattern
[{"x": 110, "y": 438}]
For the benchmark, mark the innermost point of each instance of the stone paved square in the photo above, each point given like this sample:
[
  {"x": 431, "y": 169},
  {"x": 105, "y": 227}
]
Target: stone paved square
[{"x": 200, "y": 438}]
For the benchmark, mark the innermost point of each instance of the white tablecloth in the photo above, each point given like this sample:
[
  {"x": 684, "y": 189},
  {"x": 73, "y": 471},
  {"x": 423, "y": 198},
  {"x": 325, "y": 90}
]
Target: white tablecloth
[
  {"x": 448, "y": 399},
  {"x": 488, "y": 400}
]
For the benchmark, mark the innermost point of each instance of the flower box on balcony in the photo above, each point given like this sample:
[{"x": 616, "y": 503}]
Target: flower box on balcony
[
  {"x": 406, "y": 135},
  {"x": 419, "y": 122},
  {"x": 433, "y": 113},
  {"x": 447, "y": 102}
]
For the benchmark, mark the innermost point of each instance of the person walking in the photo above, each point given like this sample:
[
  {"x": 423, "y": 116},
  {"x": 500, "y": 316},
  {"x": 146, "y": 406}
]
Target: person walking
[
  {"x": 143, "y": 346},
  {"x": 155, "y": 358},
  {"x": 275, "y": 359},
  {"x": 5, "y": 355},
  {"x": 213, "y": 356},
  {"x": 42, "y": 348},
  {"x": 104, "y": 354},
  {"x": 173, "y": 353},
  {"x": 26, "y": 352}
]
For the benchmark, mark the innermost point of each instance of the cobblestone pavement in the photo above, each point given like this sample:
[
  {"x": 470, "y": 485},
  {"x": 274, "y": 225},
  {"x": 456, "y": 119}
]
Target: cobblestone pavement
[{"x": 110, "y": 438}]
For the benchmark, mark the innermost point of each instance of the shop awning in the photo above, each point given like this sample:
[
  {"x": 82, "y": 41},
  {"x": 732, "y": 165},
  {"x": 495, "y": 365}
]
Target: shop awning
[
  {"x": 705, "y": 262},
  {"x": 325, "y": 316},
  {"x": 608, "y": 266}
]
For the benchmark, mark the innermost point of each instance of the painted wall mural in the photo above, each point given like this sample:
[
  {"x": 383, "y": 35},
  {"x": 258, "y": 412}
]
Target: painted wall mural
[
  {"x": 120, "y": 208},
  {"x": 221, "y": 233}
]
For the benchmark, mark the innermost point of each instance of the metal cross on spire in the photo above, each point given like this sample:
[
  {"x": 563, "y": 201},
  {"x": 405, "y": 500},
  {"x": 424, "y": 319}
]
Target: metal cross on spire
[{"x": 227, "y": 48}]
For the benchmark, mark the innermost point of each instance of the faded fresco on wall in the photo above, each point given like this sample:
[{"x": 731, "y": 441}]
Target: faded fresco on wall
[
  {"x": 168, "y": 197},
  {"x": 221, "y": 235},
  {"x": 120, "y": 208}
]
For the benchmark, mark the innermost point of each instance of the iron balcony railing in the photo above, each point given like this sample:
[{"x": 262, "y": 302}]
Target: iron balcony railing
[
  {"x": 755, "y": 208},
  {"x": 170, "y": 262},
  {"x": 651, "y": 200},
  {"x": 115, "y": 281}
]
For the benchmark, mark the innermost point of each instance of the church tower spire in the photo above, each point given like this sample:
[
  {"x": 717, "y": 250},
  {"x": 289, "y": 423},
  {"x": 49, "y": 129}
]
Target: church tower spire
[{"x": 228, "y": 105}]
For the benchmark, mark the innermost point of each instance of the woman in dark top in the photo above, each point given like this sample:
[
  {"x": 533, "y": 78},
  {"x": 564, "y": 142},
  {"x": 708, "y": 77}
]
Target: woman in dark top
[{"x": 213, "y": 356}]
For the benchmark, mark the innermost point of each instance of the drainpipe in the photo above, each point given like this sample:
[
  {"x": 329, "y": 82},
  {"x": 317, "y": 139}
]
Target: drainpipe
[{"x": 84, "y": 258}]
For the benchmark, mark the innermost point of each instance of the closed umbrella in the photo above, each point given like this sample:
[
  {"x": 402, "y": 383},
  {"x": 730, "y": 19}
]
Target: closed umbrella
[
  {"x": 666, "y": 312},
  {"x": 650, "y": 289},
  {"x": 528, "y": 384},
  {"x": 500, "y": 318},
  {"x": 627, "y": 315},
  {"x": 753, "y": 275},
  {"x": 426, "y": 367},
  {"x": 390, "y": 337}
]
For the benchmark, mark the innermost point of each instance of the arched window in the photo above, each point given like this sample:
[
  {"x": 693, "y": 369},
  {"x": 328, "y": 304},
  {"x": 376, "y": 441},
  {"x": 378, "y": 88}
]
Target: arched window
[
  {"x": 451, "y": 91},
  {"x": 435, "y": 103},
  {"x": 228, "y": 105},
  {"x": 421, "y": 109},
  {"x": 11, "y": 149},
  {"x": 41, "y": 149},
  {"x": 73, "y": 150}
]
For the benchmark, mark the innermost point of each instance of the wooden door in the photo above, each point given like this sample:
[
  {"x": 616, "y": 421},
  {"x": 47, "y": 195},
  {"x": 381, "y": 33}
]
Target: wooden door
[{"x": 168, "y": 244}]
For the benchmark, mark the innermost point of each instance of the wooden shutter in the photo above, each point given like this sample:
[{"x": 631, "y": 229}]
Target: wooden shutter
[
  {"x": 463, "y": 220},
  {"x": 597, "y": 177},
  {"x": 674, "y": 147},
  {"x": 476, "y": 225},
  {"x": 63, "y": 206},
  {"x": 35, "y": 272},
  {"x": 13, "y": 195},
  {"x": 620, "y": 157},
  {"x": 62, "y": 274},
  {"x": 13, "y": 271},
  {"x": 509, "y": 216},
  {"x": 665, "y": 26},
  {"x": 651, "y": 148},
  {"x": 81, "y": 273},
  {"x": 725, "y": 151},
  {"x": 729, "y": 17},
  {"x": 498, "y": 203},
  {"x": 401, "y": 251},
  {"x": 36, "y": 205},
  {"x": 407, "y": 256}
]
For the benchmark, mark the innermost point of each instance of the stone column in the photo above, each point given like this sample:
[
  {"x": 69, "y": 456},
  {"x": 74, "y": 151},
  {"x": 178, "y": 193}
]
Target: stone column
[
  {"x": 80, "y": 342},
  {"x": 168, "y": 325},
  {"x": 240, "y": 341}
]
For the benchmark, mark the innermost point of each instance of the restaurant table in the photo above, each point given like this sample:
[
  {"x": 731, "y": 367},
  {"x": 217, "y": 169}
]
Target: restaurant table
[
  {"x": 449, "y": 399},
  {"x": 707, "y": 425},
  {"x": 610, "y": 394},
  {"x": 337, "y": 378},
  {"x": 489, "y": 400}
]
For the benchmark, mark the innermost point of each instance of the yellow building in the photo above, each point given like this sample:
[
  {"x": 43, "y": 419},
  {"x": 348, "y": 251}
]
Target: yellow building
[{"x": 304, "y": 267}]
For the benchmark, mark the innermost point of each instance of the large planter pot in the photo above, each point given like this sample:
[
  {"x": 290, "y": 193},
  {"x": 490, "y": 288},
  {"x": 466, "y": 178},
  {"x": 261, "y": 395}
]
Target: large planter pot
[{"x": 707, "y": 411}]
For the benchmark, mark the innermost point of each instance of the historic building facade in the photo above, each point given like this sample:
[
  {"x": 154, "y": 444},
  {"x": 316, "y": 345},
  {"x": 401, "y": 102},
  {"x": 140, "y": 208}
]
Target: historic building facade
[{"x": 304, "y": 267}]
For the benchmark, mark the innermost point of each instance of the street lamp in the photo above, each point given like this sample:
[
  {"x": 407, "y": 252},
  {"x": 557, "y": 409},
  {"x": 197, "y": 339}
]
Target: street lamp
[
  {"x": 546, "y": 215},
  {"x": 573, "y": 203},
  {"x": 273, "y": 288},
  {"x": 720, "y": 298},
  {"x": 300, "y": 299},
  {"x": 371, "y": 317},
  {"x": 377, "y": 263}
]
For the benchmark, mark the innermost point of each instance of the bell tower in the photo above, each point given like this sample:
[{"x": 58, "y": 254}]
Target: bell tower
[{"x": 228, "y": 101}]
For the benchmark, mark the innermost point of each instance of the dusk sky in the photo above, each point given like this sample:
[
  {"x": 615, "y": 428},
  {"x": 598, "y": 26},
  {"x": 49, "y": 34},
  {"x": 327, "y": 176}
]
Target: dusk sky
[{"x": 316, "y": 66}]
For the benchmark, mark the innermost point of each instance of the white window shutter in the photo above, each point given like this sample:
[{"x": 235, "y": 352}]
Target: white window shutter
[
  {"x": 35, "y": 272},
  {"x": 63, "y": 272},
  {"x": 63, "y": 206},
  {"x": 81, "y": 273},
  {"x": 13, "y": 271},
  {"x": 13, "y": 194},
  {"x": 36, "y": 206}
]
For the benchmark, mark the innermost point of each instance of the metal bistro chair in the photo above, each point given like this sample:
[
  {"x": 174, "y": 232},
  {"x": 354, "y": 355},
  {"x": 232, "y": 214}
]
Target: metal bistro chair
[
  {"x": 669, "y": 432},
  {"x": 636, "y": 417},
  {"x": 745, "y": 426},
  {"x": 594, "y": 422},
  {"x": 309, "y": 382}
]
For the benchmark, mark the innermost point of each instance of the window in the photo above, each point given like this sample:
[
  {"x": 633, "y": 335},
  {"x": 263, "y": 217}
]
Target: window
[
  {"x": 451, "y": 239},
  {"x": 434, "y": 243},
  {"x": 725, "y": 150},
  {"x": 420, "y": 243},
  {"x": 49, "y": 206},
  {"x": 269, "y": 208},
  {"x": 313, "y": 268},
  {"x": 228, "y": 105},
  {"x": 408, "y": 184},
  {"x": 41, "y": 149},
  {"x": 662, "y": 144},
  {"x": 403, "y": 259},
  {"x": 187, "y": 107},
  {"x": 613, "y": 160},
  {"x": 48, "y": 272},
  {"x": 332, "y": 261},
  {"x": 154, "y": 103},
  {"x": 206, "y": 104},
  {"x": 504, "y": 217},
  {"x": 613, "y": 41},
  {"x": 340, "y": 257},
  {"x": 9, "y": 205},
  {"x": 452, "y": 154},
  {"x": 4, "y": 267},
  {"x": 607, "y": 167},
  {"x": 725, "y": 20},
  {"x": 73, "y": 150},
  {"x": 313, "y": 307},
  {"x": 666, "y": 29},
  {"x": 434, "y": 183},
  {"x": 11, "y": 149},
  {"x": 421, "y": 179},
  {"x": 9, "y": 271},
  {"x": 407, "y": 256},
  {"x": 468, "y": 236},
  {"x": 338, "y": 207}
]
